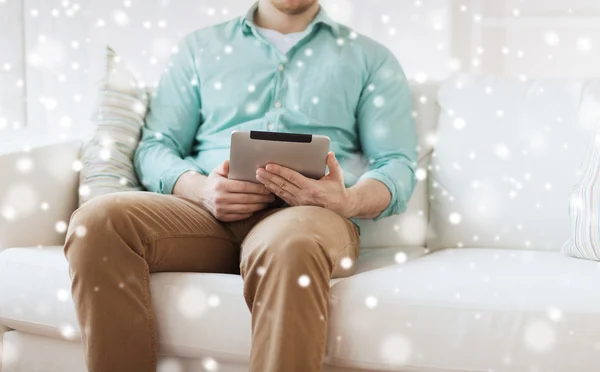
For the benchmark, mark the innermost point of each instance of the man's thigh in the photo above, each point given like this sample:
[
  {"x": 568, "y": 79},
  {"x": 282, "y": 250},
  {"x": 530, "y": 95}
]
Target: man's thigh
[
  {"x": 337, "y": 236},
  {"x": 171, "y": 233}
]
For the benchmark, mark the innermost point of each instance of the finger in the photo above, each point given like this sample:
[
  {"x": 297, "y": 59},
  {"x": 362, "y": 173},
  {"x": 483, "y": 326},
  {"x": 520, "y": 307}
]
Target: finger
[
  {"x": 238, "y": 198},
  {"x": 222, "y": 169},
  {"x": 288, "y": 174},
  {"x": 233, "y": 217},
  {"x": 280, "y": 181},
  {"x": 243, "y": 187},
  {"x": 276, "y": 189},
  {"x": 243, "y": 208},
  {"x": 335, "y": 170}
]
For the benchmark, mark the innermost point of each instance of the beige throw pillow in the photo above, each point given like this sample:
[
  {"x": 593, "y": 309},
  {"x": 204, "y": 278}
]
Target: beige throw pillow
[{"x": 107, "y": 157}]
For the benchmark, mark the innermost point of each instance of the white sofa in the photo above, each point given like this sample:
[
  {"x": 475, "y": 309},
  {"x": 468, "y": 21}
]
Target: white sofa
[{"x": 470, "y": 278}]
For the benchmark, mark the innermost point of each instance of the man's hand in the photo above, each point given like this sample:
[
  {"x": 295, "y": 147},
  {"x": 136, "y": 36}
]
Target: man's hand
[
  {"x": 227, "y": 200},
  {"x": 295, "y": 189}
]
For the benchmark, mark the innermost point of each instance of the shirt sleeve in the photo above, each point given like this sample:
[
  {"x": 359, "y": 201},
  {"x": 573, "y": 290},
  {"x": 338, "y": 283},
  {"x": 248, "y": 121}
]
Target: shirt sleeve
[
  {"x": 387, "y": 132},
  {"x": 171, "y": 125}
]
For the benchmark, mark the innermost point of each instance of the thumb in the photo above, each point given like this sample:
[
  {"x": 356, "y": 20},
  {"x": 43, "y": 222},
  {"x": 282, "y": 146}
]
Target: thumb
[
  {"x": 335, "y": 170},
  {"x": 223, "y": 169}
]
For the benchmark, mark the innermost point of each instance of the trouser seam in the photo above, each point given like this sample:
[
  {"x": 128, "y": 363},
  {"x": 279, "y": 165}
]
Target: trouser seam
[{"x": 344, "y": 247}]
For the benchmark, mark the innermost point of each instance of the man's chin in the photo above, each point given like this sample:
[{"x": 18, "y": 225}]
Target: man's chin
[{"x": 292, "y": 10}]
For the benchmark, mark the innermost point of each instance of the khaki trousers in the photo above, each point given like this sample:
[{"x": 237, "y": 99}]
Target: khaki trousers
[{"x": 286, "y": 257}]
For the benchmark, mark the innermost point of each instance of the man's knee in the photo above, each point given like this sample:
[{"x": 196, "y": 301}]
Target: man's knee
[
  {"x": 294, "y": 247},
  {"x": 285, "y": 250},
  {"x": 293, "y": 240},
  {"x": 91, "y": 225}
]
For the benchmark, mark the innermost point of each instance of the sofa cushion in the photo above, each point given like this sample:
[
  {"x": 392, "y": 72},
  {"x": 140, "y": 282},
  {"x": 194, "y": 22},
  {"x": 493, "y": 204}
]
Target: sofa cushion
[
  {"x": 196, "y": 313},
  {"x": 107, "y": 157},
  {"x": 507, "y": 152},
  {"x": 470, "y": 310}
]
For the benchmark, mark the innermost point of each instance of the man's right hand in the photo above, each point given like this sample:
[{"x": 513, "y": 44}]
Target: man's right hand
[{"x": 227, "y": 200}]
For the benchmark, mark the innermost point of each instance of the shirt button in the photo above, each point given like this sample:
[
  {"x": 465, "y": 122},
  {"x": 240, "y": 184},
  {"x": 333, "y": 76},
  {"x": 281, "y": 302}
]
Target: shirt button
[
  {"x": 278, "y": 104},
  {"x": 280, "y": 67},
  {"x": 270, "y": 126}
]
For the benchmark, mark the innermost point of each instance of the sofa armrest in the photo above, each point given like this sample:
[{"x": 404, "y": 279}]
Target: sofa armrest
[{"x": 38, "y": 188}]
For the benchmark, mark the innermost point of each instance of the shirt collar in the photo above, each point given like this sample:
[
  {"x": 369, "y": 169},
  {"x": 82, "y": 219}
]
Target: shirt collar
[
  {"x": 247, "y": 21},
  {"x": 323, "y": 17}
]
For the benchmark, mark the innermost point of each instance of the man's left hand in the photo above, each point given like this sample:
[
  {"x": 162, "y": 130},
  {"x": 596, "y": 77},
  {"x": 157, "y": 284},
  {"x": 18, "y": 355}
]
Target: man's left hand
[{"x": 295, "y": 189}]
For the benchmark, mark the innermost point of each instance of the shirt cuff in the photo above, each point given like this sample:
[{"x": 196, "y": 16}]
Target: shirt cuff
[
  {"x": 396, "y": 205},
  {"x": 169, "y": 177}
]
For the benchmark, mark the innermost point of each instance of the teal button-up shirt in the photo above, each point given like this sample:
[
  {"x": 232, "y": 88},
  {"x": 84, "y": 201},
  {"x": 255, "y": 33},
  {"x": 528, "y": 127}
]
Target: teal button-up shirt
[{"x": 333, "y": 82}]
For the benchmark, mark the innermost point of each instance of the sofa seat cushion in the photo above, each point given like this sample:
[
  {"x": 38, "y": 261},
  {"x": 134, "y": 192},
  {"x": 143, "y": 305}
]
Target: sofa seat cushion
[
  {"x": 470, "y": 309},
  {"x": 196, "y": 313}
]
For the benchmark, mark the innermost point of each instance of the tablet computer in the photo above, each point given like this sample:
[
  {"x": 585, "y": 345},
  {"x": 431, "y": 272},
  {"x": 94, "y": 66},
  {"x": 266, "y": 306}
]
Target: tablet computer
[{"x": 250, "y": 150}]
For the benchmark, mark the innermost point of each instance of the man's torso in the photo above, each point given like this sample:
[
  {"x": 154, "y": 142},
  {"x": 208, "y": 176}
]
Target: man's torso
[{"x": 246, "y": 83}]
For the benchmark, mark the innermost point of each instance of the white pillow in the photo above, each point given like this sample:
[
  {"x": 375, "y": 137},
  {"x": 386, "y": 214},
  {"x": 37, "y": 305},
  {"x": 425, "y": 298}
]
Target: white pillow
[
  {"x": 107, "y": 157},
  {"x": 584, "y": 207},
  {"x": 506, "y": 155}
]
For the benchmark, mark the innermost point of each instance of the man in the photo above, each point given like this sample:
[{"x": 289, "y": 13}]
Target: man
[{"x": 285, "y": 66}]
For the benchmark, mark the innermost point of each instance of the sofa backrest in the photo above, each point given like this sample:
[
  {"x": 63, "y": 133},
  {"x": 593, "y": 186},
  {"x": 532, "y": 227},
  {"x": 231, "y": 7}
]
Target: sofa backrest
[
  {"x": 507, "y": 153},
  {"x": 410, "y": 228}
]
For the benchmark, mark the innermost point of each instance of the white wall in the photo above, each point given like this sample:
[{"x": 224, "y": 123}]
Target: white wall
[
  {"x": 12, "y": 103},
  {"x": 63, "y": 40}
]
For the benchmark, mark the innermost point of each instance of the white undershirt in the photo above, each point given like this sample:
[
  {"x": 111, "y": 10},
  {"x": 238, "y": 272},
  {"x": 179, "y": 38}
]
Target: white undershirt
[{"x": 283, "y": 42}]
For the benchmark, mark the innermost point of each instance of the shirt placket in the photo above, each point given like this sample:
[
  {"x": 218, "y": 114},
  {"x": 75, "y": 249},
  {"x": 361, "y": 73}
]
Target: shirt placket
[
  {"x": 278, "y": 99},
  {"x": 272, "y": 120}
]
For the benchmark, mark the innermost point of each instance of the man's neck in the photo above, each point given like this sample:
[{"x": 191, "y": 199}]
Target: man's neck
[{"x": 267, "y": 16}]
